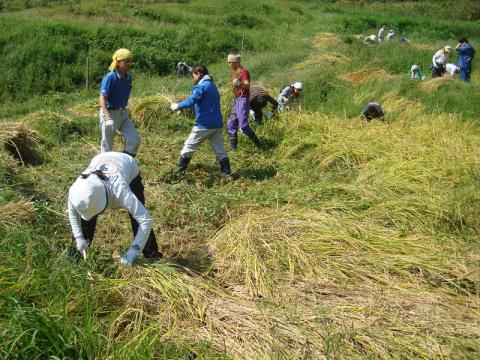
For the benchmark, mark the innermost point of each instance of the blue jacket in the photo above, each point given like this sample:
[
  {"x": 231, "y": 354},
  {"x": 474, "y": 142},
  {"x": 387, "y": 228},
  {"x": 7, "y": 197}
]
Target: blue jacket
[
  {"x": 465, "y": 56},
  {"x": 205, "y": 99}
]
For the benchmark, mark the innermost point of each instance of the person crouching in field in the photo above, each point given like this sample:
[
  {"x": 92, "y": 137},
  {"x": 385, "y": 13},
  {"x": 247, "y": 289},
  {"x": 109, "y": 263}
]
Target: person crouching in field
[
  {"x": 258, "y": 100},
  {"x": 114, "y": 92},
  {"x": 239, "y": 115},
  {"x": 372, "y": 111},
  {"x": 205, "y": 99},
  {"x": 290, "y": 95},
  {"x": 439, "y": 60},
  {"x": 466, "y": 53},
  {"x": 112, "y": 180}
]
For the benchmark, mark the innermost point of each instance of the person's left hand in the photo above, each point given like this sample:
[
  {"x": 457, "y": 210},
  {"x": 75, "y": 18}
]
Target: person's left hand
[
  {"x": 173, "y": 106},
  {"x": 236, "y": 82}
]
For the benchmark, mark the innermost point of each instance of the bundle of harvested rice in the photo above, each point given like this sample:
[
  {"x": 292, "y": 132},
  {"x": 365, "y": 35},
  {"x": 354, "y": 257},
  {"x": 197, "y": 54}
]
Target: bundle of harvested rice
[
  {"x": 434, "y": 84},
  {"x": 13, "y": 214},
  {"x": 147, "y": 112},
  {"x": 21, "y": 143},
  {"x": 85, "y": 109},
  {"x": 368, "y": 74},
  {"x": 226, "y": 100}
]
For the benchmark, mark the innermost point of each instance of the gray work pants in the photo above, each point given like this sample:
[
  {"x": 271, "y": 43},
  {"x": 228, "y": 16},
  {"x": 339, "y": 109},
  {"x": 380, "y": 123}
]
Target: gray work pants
[
  {"x": 198, "y": 136},
  {"x": 123, "y": 125}
]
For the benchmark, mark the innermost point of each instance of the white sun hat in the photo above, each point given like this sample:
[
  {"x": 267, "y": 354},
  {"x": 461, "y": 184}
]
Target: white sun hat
[{"x": 88, "y": 196}]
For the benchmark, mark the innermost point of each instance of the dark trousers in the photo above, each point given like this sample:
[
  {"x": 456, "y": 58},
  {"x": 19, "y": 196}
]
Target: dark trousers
[
  {"x": 438, "y": 71},
  {"x": 256, "y": 104},
  {"x": 151, "y": 247}
]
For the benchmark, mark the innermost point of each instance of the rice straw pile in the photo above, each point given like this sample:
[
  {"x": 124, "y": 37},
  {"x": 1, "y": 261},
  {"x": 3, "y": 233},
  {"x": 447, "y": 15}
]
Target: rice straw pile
[
  {"x": 20, "y": 142},
  {"x": 368, "y": 74},
  {"x": 13, "y": 214},
  {"x": 148, "y": 112},
  {"x": 433, "y": 84}
]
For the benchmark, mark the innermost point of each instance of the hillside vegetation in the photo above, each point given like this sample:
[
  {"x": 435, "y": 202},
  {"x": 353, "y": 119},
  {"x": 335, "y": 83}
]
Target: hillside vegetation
[{"x": 343, "y": 240}]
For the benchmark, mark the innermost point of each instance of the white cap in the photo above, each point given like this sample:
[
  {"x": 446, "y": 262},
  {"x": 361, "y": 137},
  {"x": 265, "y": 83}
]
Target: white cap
[
  {"x": 234, "y": 58},
  {"x": 372, "y": 37},
  {"x": 391, "y": 31},
  {"x": 415, "y": 67},
  {"x": 448, "y": 48},
  {"x": 88, "y": 196},
  {"x": 298, "y": 85}
]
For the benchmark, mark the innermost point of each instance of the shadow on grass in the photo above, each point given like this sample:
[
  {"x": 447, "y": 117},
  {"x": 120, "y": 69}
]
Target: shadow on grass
[{"x": 262, "y": 173}]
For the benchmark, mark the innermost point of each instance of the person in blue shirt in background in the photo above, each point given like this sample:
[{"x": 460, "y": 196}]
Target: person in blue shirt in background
[
  {"x": 114, "y": 92},
  {"x": 466, "y": 53},
  {"x": 205, "y": 99}
]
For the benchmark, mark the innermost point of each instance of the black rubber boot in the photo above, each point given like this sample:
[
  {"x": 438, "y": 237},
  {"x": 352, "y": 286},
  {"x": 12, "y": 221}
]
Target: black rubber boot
[
  {"x": 225, "y": 167},
  {"x": 256, "y": 141},
  {"x": 182, "y": 165},
  {"x": 233, "y": 142}
]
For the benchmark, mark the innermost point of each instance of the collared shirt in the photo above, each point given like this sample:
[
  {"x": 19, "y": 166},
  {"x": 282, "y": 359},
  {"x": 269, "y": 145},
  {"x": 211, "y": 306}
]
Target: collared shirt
[
  {"x": 243, "y": 75},
  {"x": 119, "y": 169},
  {"x": 116, "y": 89}
]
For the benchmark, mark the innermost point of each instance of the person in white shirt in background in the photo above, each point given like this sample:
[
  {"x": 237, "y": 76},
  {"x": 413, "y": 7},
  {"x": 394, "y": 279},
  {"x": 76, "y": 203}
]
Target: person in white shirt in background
[
  {"x": 415, "y": 72},
  {"x": 370, "y": 40},
  {"x": 390, "y": 35},
  {"x": 452, "y": 69},
  {"x": 439, "y": 60},
  {"x": 381, "y": 33},
  {"x": 111, "y": 181}
]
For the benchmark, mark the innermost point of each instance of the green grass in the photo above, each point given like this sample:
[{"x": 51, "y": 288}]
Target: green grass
[{"x": 345, "y": 239}]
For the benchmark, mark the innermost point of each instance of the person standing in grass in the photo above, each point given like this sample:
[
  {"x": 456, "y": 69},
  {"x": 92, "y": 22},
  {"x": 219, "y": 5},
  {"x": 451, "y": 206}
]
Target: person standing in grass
[
  {"x": 466, "y": 53},
  {"x": 439, "y": 60},
  {"x": 114, "y": 92},
  {"x": 239, "y": 115},
  {"x": 381, "y": 33},
  {"x": 205, "y": 99},
  {"x": 290, "y": 95},
  {"x": 372, "y": 111},
  {"x": 258, "y": 100},
  {"x": 112, "y": 180}
]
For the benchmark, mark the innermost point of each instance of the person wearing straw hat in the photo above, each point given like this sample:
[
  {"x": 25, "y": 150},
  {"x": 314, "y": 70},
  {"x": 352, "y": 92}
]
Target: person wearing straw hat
[
  {"x": 439, "y": 60},
  {"x": 289, "y": 95},
  {"x": 205, "y": 99},
  {"x": 114, "y": 92},
  {"x": 112, "y": 180},
  {"x": 239, "y": 115},
  {"x": 466, "y": 53}
]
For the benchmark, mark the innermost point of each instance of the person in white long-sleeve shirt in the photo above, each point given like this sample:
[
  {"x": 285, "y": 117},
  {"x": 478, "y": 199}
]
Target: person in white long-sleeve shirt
[
  {"x": 381, "y": 33},
  {"x": 112, "y": 180},
  {"x": 439, "y": 60}
]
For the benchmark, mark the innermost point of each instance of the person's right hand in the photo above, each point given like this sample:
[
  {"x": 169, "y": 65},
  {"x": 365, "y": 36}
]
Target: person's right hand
[
  {"x": 81, "y": 243},
  {"x": 236, "y": 82}
]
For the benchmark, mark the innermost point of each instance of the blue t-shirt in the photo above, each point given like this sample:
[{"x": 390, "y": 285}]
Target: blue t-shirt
[{"x": 116, "y": 90}]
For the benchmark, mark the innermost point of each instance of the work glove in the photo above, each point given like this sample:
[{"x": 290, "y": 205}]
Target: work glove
[
  {"x": 109, "y": 122},
  {"x": 236, "y": 82},
  {"x": 82, "y": 246},
  {"x": 173, "y": 106},
  {"x": 130, "y": 255}
]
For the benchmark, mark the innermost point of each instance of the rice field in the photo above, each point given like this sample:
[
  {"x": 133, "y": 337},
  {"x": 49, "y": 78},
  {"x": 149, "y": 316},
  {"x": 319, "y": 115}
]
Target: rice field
[{"x": 345, "y": 239}]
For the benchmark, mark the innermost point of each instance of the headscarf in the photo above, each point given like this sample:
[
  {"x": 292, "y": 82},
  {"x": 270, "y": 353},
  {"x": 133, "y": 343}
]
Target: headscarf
[{"x": 120, "y": 54}]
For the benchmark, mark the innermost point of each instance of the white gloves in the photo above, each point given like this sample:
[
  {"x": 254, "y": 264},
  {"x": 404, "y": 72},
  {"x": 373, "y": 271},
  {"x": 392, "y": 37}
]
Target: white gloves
[
  {"x": 236, "y": 82},
  {"x": 81, "y": 243},
  {"x": 109, "y": 122},
  {"x": 173, "y": 106},
  {"x": 82, "y": 246},
  {"x": 130, "y": 255}
]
